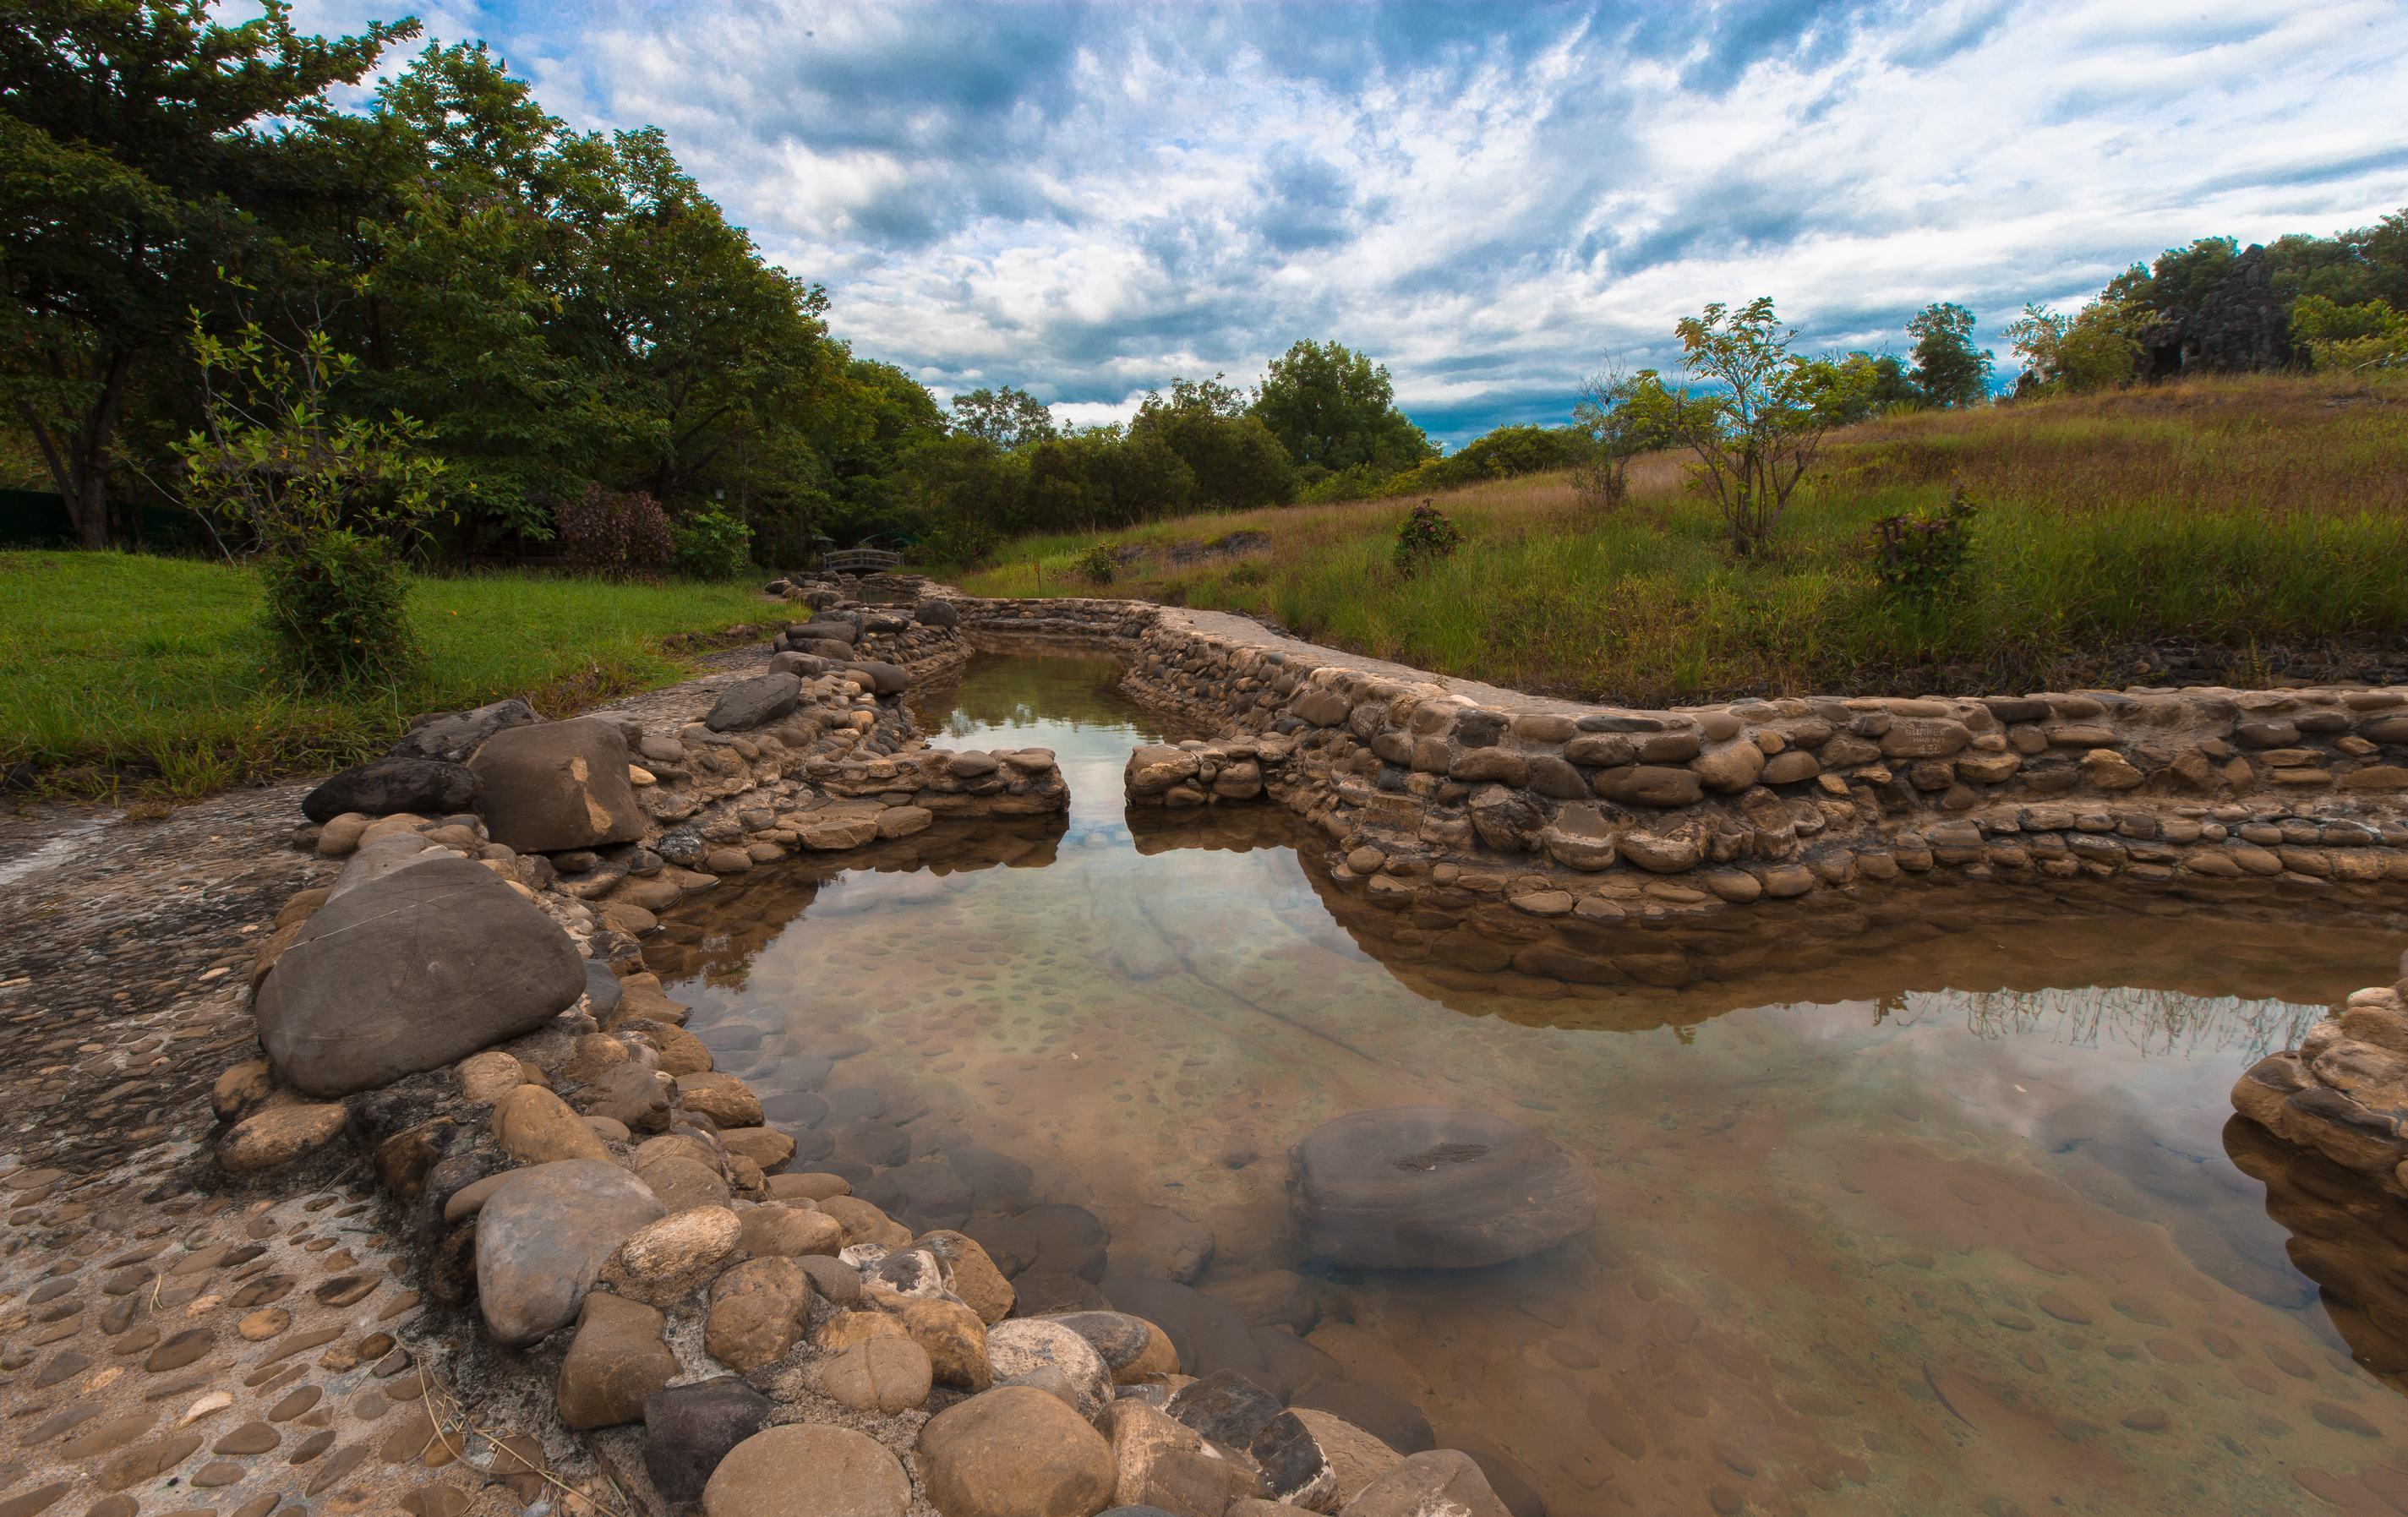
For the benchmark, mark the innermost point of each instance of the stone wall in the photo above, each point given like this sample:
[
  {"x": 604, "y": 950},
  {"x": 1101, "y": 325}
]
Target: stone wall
[{"x": 1445, "y": 793}]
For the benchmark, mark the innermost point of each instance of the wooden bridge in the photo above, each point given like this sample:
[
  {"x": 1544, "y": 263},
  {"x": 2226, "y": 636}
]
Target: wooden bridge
[{"x": 859, "y": 560}]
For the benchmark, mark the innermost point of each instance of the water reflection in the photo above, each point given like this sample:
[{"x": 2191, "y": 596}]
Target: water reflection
[{"x": 1945, "y": 1225}]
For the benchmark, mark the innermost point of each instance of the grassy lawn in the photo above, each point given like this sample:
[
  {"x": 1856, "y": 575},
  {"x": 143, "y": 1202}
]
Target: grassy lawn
[
  {"x": 119, "y": 672},
  {"x": 2245, "y": 513}
]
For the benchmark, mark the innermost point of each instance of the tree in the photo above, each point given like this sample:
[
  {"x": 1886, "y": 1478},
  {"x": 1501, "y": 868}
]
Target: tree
[
  {"x": 2095, "y": 349},
  {"x": 1008, "y": 417},
  {"x": 1621, "y": 416},
  {"x": 1332, "y": 408},
  {"x": 1759, "y": 424},
  {"x": 2179, "y": 279},
  {"x": 1948, "y": 369},
  {"x": 2369, "y": 335},
  {"x": 1235, "y": 461},
  {"x": 130, "y": 136}
]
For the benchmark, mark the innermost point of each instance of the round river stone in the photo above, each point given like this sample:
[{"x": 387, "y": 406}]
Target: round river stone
[{"x": 1434, "y": 1187}]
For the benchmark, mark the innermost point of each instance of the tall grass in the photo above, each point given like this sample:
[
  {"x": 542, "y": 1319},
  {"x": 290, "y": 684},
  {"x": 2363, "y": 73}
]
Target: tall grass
[
  {"x": 2238, "y": 512},
  {"x": 153, "y": 675}
]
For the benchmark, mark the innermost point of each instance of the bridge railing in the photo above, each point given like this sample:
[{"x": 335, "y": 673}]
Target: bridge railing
[{"x": 858, "y": 561}]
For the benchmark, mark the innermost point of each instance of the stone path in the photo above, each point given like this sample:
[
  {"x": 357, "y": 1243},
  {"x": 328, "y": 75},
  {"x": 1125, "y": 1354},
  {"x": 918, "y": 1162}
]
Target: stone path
[{"x": 166, "y": 1346}]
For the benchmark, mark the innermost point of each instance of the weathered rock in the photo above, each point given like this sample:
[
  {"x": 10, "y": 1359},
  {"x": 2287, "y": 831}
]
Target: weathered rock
[
  {"x": 1052, "y": 1356},
  {"x": 615, "y": 1362},
  {"x": 280, "y": 1135},
  {"x": 935, "y": 613},
  {"x": 1355, "y": 1457},
  {"x": 971, "y": 1275},
  {"x": 1208, "y": 1335},
  {"x": 667, "y": 1261},
  {"x": 751, "y": 703},
  {"x": 412, "y": 971},
  {"x": 882, "y": 678},
  {"x": 380, "y": 787},
  {"x": 765, "y": 1146},
  {"x": 1236, "y": 1413},
  {"x": 1133, "y": 1349},
  {"x": 688, "y": 1429},
  {"x": 1434, "y": 1187},
  {"x": 724, "y": 1098},
  {"x": 954, "y": 1338},
  {"x": 789, "y": 1232},
  {"x": 888, "y": 1374},
  {"x": 557, "y": 785},
  {"x": 542, "y": 1238},
  {"x": 1441, "y": 1480},
  {"x": 454, "y": 737},
  {"x": 533, "y": 1125},
  {"x": 1015, "y": 1452},
  {"x": 1166, "y": 1465},
  {"x": 681, "y": 1183},
  {"x": 758, "y": 1310},
  {"x": 807, "y": 1470},
  {"x": 486, "y": 1077}
]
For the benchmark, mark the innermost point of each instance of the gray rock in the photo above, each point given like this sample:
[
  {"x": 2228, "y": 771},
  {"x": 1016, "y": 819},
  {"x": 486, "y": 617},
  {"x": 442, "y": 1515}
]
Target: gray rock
[
  {"x": 373, "y": 860},
  {"x": 935, "y": 613},
  {"x": 1237, "y": 1414},
  {"x": 543, "y": 1237},
  {"x": 835, "y": 629},
  {"x": 688, "y": 1429},
  {"x": 750, "y": 703},
  {"x": 829, "y": 654},
  {"x": 884, "y": 679},
  {"x": 1025, "y": 1350},
  {"x": 412, "y": 971},
  {"x": 602, "y": 991},
  {"x": 557, "y": 785},
  {"x": 456, "y": 735},
  {"x": 380, "y": 787},
  {"x": 1434, "y": 1187}
]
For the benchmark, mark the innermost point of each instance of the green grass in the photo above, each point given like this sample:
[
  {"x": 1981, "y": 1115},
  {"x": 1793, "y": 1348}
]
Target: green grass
[
  {"x": 124, "y": 673},
  {"x": 2245, "y": 513}
]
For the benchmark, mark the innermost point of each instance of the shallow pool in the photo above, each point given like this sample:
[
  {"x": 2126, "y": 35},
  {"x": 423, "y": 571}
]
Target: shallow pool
[{"x": 1969, "y": 1240}]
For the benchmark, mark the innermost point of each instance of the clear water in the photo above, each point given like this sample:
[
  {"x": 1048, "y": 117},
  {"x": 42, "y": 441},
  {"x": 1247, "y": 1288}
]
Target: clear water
[{"x": 1963, "y": 1236}]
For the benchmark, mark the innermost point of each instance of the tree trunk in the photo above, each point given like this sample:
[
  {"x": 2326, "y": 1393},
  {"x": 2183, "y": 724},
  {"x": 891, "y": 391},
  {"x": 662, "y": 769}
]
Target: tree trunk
[{"x": 78, "y": 464}]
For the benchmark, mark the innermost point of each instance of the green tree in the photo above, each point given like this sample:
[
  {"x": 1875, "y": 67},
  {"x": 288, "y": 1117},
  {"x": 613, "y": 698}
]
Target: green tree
[
  {"x": 1758, "y": 420},
  {"x": 1006, "y": 417},
  {"x": 2095, "y": 349},
  {"x": 2180, "y": 278},
  {"x": 1235, "y": 461},
  {"x": 131, "y": 134},
  {"x": 1334, "y": 409},
  {"x": 1948, "y": 369},
  {"x": 1620, "y": 416},
  {"x": 2369, "y": 335}
]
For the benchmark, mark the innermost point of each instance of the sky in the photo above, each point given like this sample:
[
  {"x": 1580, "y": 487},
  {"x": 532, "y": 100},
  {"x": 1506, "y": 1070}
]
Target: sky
[{"x": 1493, "y": 200}]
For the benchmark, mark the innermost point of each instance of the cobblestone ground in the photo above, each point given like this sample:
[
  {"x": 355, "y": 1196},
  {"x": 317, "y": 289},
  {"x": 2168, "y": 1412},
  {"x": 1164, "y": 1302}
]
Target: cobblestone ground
[{"x": 169, "y": 1345}]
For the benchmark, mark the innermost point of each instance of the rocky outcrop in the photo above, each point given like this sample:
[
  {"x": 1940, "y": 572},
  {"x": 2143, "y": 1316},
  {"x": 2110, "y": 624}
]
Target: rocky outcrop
[
  {"x": 2343, "y": 1093},
  {"x": 1433, "y": 1187},
  {"x": 412, "y": 971},
  {"x": 2241, "y": 326}
]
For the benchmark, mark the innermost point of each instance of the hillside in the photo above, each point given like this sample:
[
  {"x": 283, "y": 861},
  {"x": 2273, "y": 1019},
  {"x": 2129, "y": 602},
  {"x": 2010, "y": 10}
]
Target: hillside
[{"x": 2244, "y": 530}]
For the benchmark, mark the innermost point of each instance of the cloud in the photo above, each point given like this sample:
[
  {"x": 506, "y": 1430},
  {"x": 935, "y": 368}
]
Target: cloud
[{"x": 1091, "y": 200}]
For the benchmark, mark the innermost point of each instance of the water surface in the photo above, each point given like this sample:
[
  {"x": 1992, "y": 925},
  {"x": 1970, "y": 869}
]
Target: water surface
[{"x": 1963, "y": 1233}]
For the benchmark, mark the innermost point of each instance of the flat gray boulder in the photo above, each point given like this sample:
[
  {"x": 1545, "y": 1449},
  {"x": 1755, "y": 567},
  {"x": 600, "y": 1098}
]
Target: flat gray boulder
[
  {"x": 454, "y": 737},
  {"x": 933, "y": 613},
  {"x": 884, "y": 679},
  {"x": 380, "y": 787},
  {"x": 557, "y": 785},
  {"x": 749, "y": 703},
  {"x": 1423, "y": 1187},
  {"x": 410, "y": 970},
  {"x": 543, "y": 1237}
]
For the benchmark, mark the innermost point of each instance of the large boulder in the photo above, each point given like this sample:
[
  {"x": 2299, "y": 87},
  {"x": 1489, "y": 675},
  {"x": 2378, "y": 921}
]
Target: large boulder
[
  {"x": 543, "y": 1237},
  {"x": 380, "y": 787},
  {"x": 807, "y": 1470},
  {"x": 557, "y": 785},
  {"x": 749, "y": 703},
  {"x": 1435, "y": 1187},
  {"x": 933, "y": 613},
  {"x": 408, "y": 971},
  {"x": 1013, "y": 1452},
  {"x": 454, "y": 737}
]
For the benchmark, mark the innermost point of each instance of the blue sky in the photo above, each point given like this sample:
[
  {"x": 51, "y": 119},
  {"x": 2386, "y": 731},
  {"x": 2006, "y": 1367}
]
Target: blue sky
[{"x": 1490, "y": 199}]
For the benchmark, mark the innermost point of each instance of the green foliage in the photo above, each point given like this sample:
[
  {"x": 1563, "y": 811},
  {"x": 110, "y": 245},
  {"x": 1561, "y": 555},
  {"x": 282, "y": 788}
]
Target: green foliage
[
  {"x": 1096, "y": 566},
  {"x": 2369, "y": 335},
  {"x": 335, "y": 603},
  {"x": 711, "y": 545},
  {"x": 1948, "y": 369},
  {"x": 1333, "y": 409},
  {"x": 1758, "y": 423},
  {"x": 2096, "y": 349},
  {"x": 1007, "y": 418},
  {"x": 1920, "y": 557},
  {"x": 1233, "y": 458},
  {"x": 2179, "y": 279},
  {"x": 1424, "y": 537},
  {"x": 619, "y": 533}
]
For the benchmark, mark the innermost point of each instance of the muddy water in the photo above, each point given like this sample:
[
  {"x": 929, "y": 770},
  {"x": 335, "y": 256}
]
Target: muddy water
[{"x": 1964, "y": 1239}]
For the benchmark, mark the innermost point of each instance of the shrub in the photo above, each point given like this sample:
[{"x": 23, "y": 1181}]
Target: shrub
[
  {"x": 334, "y": 604},
  {"x": 712, "y": 545},
  {"x": 1919, "y": 556},
  {"x": 615, "y": 532},
  {"x": 1095, "y": 565},
  {"x": 1424, "y": 537}
]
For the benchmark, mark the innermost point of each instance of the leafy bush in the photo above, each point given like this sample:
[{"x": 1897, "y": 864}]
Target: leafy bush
[
  {"x": 2369, "y": 335},
  {"x": 1917, "y": 557},
  {"x": 1095, "y": 565},
  {"x": 335, "y": 603},
  {"x": 615, "y": 532},
  {"x": 1424, "y": 537},
  {"x": 712, "y": 545}
]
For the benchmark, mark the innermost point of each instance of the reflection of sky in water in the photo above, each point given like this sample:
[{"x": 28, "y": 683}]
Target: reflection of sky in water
[{"x": 1766, "y": 1158}]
